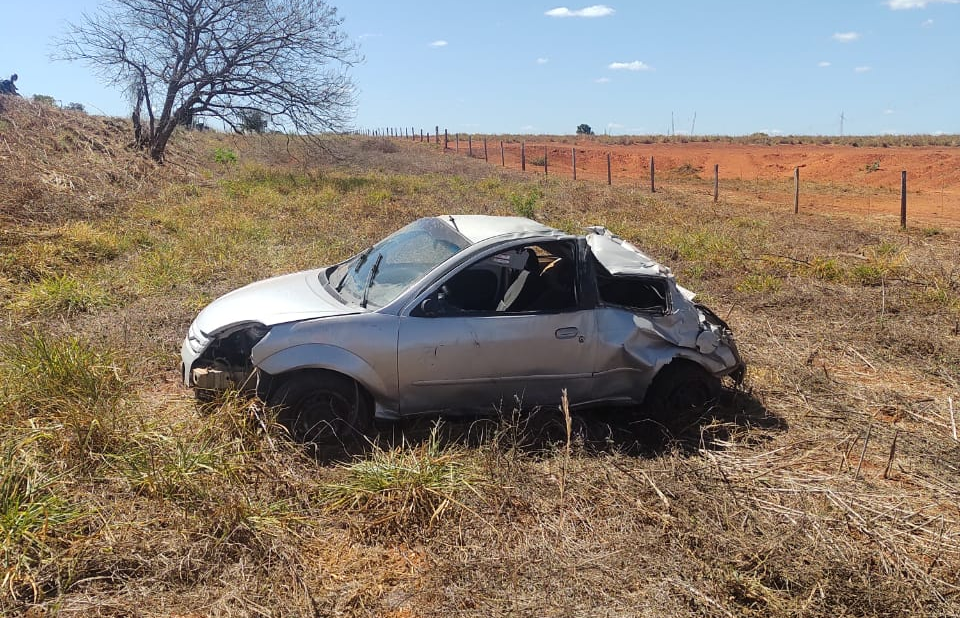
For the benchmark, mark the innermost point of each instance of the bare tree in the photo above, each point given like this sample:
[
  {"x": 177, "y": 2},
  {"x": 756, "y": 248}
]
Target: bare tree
[{"x": 181, "y": 59}]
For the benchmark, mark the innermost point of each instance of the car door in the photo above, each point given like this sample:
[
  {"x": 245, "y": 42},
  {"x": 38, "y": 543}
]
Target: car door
[{"x": 492, "y": 344}]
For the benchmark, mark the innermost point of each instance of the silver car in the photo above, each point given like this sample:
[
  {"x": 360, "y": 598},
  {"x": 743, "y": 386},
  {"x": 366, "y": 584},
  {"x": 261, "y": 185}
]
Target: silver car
[{"x": 463, "y": 313}]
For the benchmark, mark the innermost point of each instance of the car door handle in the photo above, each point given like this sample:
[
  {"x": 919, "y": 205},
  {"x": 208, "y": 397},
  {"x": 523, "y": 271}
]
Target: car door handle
[{"x": 567, "y": 333}]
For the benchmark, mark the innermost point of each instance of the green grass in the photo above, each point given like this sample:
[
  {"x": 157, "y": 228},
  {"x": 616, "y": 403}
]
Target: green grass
[
  {"x": 759, "y": 283},
  {"x": 34, "y": 518},
  {"x": 62, "y": 294},
  {"x": 68, "y": 386},
  {"x": 407, "y": 485}
]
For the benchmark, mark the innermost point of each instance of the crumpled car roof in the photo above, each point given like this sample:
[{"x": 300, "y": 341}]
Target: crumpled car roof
[{"x": 619, "y": 256}]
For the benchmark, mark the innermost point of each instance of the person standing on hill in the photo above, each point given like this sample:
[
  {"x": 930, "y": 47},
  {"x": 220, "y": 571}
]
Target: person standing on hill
[{"x": 8, "y": 86}]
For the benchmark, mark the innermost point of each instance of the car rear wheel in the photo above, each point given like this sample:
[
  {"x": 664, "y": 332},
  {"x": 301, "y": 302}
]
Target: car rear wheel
[
  {"x": 322, "y": 407},
  {"x": 680, "y": 394}
]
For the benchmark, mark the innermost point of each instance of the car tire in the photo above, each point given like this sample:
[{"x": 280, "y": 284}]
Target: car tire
[
  {"x": 322, "y": 407},
  {"x": 680, "y": 394}
]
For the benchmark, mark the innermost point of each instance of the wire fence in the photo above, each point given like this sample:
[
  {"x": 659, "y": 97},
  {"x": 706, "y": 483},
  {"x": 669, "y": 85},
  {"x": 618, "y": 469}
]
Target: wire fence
[{"x": 580, "y": 163}]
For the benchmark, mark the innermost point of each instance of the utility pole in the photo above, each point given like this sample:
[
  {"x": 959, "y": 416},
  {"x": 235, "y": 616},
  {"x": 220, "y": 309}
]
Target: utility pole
[
  {"x": 672, "y": 131},
  {"x": 841, "y": 123},
  {"x": 693, "y": 125}
]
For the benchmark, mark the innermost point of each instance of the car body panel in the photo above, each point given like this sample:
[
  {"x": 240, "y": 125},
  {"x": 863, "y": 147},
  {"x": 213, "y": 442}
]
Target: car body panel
[
  {"x": 286, "y": 298},
  {"x": 476, "y": 362},
  {"x": 361, "y": 346}
]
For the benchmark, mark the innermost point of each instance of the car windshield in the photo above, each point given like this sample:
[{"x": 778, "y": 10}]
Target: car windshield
[{"x": 379, "y": 274}]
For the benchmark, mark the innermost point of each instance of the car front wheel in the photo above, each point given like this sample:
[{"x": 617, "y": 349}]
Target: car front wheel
[
  {"x": 322, "y": 407},
  {"x": 680, "y": 394}
]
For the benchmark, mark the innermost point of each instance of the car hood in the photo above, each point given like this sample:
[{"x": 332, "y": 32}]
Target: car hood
[{"x": 287, "y": 298}]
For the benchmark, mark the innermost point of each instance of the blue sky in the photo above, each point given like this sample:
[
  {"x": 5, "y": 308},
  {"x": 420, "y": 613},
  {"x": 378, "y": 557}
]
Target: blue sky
[{"x": 520, "y": 66}]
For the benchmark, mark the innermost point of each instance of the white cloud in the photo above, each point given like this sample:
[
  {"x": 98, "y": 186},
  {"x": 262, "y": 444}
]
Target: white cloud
[
  {"x": 597, "y": 10},
  {"x": 440, "y": 43},
  {"x": 636, "y": 65},
  {"x": 602, "y": 80},
  {"x": 926, "y": 23},
  {"x": 887, "y": 112},
  {"x": 368, "y": 35},
  {"x": 614, "y": 125},
  {"x": 862, "y": 69},
  {"x": 901, "y": 5},
  {"x": 543, "y": 60},
  {"x": 823, "y": 64},
  {"x": 846, "y": 37}
]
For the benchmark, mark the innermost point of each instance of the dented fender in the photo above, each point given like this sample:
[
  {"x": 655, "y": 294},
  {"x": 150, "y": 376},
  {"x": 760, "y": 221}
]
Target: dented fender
[{"x": 329, "y": 357}]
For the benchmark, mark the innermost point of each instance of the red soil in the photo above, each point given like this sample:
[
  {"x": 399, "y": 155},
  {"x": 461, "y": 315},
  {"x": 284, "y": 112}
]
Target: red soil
[{"x": 833, "y": 177}]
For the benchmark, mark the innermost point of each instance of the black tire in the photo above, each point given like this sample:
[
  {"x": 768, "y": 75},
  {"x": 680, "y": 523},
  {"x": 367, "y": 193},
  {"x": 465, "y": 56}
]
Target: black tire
[
  {"x": 680, "y": 394},
  {"x": 322, "y": 407}
]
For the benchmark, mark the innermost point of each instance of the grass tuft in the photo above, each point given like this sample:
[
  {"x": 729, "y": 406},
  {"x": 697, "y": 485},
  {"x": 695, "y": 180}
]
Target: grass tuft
[
  {"x": 67, "y": 384},
  {"x": 408, "y": 485},
  {"x": 33, "y": 519}
]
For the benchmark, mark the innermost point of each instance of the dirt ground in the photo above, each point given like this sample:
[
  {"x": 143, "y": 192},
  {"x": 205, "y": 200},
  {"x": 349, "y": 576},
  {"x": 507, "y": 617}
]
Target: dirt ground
[{"x": 833, "y": 178}]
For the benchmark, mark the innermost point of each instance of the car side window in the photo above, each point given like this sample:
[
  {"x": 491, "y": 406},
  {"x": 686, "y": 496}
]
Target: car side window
[
  {"x": 648, "y": 294},
  {"x": 534, "y": 278}
]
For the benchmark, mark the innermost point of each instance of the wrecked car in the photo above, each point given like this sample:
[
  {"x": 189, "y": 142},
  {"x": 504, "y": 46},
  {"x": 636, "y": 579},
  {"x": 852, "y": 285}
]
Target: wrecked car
[{"x": 462, "y": 313}]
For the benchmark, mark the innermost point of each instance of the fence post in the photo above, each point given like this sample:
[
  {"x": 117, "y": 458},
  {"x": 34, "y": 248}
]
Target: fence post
[
  {"x": 470, "y": 145},
  {"x": 446, "y": 139},
  {"x": 458, "y": 142},
  {"x": 796, "y": 190},
  {"x": 716, "y": 182},
  {"x": 437, "y": 128},
  {"x": 653, "y": 184},
  {"x": 545, "y": 161},
  {"x": 523, "y": 157},
  {"x": 421, "y": 135},
  {"x": 502, "y": 161},
  {"x": 609, "y": 177},
  {"x": 903, "y": 199},
  {"x": 574, "y": 151},
  {"x": 485, "y": 150}
]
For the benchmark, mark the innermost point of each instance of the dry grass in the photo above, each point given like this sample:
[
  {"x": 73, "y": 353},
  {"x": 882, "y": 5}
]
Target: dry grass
[{"x": 120, "y": 497}]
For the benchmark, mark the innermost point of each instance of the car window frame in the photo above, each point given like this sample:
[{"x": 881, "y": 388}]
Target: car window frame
[{"x": 413, "y": 309}]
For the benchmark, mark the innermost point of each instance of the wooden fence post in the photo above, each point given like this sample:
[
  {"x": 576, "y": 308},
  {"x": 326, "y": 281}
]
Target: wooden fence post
[
  {"x": 653, "y": 184},
  {"x": 502, "y": 161},
  {"x": 437, "y": 134},
  {"x": 446, "y": 139},
  {"x": 470, "y": 145},
  {"x": 544, "y": 160},
  {"x": 609, "y": 177},
  {"x": 903, "y": 199},
  {"x": 796, "y": 190},
  {"x": 458, "y": 141},
  {"x": 716, "y": 182},
  {"x": 523, "y": 157},
  {"x": 485, "y": 150},
  {"x": 574, "y": 151}
]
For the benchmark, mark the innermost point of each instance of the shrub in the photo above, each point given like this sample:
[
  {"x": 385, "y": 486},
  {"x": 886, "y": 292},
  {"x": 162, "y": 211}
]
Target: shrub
[
  {"x": 224, "y": 156},
  {"x": 525, "y": 205}
]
